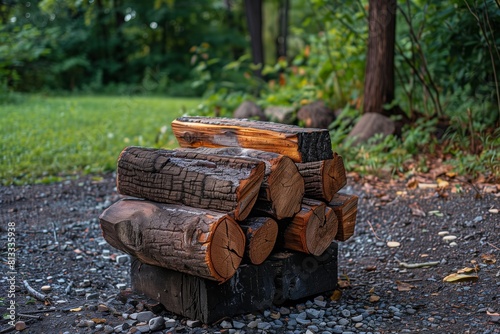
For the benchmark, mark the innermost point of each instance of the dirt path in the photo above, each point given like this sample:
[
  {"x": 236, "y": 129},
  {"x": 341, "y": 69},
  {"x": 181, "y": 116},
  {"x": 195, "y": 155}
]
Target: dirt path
[{"x": 59, "y": 244}]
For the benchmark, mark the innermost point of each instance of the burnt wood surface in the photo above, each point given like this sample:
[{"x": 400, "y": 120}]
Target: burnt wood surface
[
  {"x": 300, "y": 144},
  {"x": 199, "y": 242},
  {"x": 209, "y": 181},
  {"x": 324, "y": 178},
  {"x": 284, "y": 276},
  {"x": 282, "y": 188},
  {"x": 346, "y": 209}
]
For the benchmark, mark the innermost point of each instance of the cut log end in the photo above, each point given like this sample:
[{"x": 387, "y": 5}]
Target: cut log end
[
  {"x": 308, "y": 231},
  {"x": 318, "y": 235},
  {"x": 226, "y": 249},
  {"x": 261, "y": 234},
  {"x": 337, "y": 178},
  {"x": 286, "y": 189}
]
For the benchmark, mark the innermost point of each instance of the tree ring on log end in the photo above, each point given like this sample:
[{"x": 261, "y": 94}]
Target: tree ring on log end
[
  {"x": 225, "y": 250},
  {"x": 263, "y": 239},
  {"x": 286, "y": 188},
  {"x": 315, "y": 232}
]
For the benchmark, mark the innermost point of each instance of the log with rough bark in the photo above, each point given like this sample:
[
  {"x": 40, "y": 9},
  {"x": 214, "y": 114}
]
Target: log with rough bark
[
  {"x": 261, "y": 233},
  {"x": 324, "y": 178},
  {"x": 198, "y": 180},
  {"x": 198, "y": 242},
  {"x": 281, "y": 190},
  {"x": 309, "y": 231},
  {"x": 346, "y": 209},
  {"x": 300, "y": 144}
]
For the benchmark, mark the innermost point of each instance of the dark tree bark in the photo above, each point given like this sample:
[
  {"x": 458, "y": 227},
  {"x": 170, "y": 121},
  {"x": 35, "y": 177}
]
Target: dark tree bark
[
  {"x": 379, "y": 73},
  {"x": 281, "y": 47},
  {"x": 253, "y": 10}
]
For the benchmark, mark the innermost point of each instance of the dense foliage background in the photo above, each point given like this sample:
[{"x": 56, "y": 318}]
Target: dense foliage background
[{"x": 447, "y": 63}]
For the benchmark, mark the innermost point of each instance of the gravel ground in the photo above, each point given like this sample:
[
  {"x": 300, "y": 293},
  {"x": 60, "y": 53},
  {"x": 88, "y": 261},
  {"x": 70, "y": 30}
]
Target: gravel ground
[{"x": 60, "y": 252}]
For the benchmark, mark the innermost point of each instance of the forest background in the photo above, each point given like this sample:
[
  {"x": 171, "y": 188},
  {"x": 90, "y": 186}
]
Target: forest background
[{"x": 446, "y": 67}]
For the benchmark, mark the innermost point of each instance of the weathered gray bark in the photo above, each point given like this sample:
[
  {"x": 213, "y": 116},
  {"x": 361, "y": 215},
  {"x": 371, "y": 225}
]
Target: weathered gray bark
[
  {"x": 199, "y": 242},
  {"x": 324, "y": 178},
  {"x": 221, "y": 183},
  {"x": 282, "y": 188}
]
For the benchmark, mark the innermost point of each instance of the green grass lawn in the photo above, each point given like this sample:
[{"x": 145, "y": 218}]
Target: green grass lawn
[{"x": 43, "y": 139}]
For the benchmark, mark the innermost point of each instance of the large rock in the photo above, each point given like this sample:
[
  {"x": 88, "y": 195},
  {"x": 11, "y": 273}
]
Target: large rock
[
  {"x": 316, "y": 115},
  {"x": 280, "y": 114},
  {"x": 371, "y": 124},
  {"x": 249, "y": 109}
]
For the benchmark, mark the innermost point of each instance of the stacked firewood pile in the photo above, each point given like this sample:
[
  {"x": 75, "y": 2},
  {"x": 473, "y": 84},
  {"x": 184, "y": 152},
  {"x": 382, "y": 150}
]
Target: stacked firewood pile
[{"x": 235, "y": 191}]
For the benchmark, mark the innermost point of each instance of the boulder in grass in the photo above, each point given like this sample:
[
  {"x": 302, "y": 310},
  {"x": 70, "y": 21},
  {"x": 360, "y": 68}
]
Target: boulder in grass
[
  {"x": 250, "y": 110},
  {"x": 316, "y": 115},
  {"x": 371, "y": 124},
  {"x": 281, "y": 114}
]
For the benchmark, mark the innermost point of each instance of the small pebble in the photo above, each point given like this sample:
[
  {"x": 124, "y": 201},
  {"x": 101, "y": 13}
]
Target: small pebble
[
  {"x": 193, "y": 323},
  {"x": 449, "y": 237},
  {"x": 393, "y": 244},
  {"x": 46, "y": 288},
  {"x": 20, "y": 326}
]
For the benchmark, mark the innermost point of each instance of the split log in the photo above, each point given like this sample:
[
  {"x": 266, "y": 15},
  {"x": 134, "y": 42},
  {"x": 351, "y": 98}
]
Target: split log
[
  {"x": 300, "y": 144},
  {"x": 332, "y": 221},
  {"x": 346, "y": 209},
  {"x": 282, "y": 188},
  {"x": 323, "y": 179},
  {"x": 198, "y": 242},
  {"x": 309, "y": 231},
  {"x": 261, "y": 233},
  {"x": 200, "y": 180}
]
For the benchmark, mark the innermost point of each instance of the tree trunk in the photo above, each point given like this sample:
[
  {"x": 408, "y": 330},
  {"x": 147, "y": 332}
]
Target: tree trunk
[
  {"x": 379, "y": 72},
  {"x": 253, "y": 10},
  {"x": 198, "y": 242},
  {"x": 261, "y": 233},
  {"x": 281, "y": 190},
  {"x": 299, "y": 144},
  {"x": 199, "y": 180},
  {"x": 323, "y": 179},
  {"x": 281, "y": 40},
  {"x": 309, "y": 231},
  {"x": 346, "y": 209}
]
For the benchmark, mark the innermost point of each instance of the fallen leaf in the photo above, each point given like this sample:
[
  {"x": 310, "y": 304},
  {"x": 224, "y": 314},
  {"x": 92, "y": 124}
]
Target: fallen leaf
[
  {"x": 343, "y": 284},
  {"x": 76, "y": 309},
  {"x": 99, "y": 320},
  {"x": 488, "y": 258},
  {"x": 451, "y": 174},
  {"x": 438, "y": 171},
  {"x": 442, "y": 183},
  {"x": 403, "y": 286},
  {"x": 336, "y": 295},
  {"x": 374, "y": 298},
  {"x": 412, "y": 183},
  {"x": 468, "y": 270},
  {"x": 457, "y": 278},
  {"x": 416, "y": 210}
]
